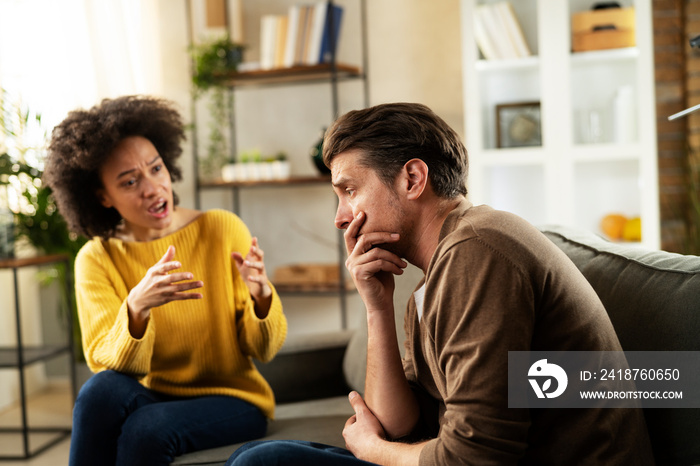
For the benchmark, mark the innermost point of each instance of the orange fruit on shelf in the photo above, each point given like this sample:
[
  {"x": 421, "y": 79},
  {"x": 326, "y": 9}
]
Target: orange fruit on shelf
[
  {"x": 613, "y": 226},
  {"x": 632, "y": 230}
]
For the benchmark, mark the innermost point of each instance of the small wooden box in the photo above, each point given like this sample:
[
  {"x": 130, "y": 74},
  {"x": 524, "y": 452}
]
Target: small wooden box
[
  {"x": 306, "y": 274},
  {"x": 610, "y": 28}
]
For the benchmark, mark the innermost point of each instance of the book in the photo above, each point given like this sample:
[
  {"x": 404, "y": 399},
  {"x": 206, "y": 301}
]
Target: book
[
  {"x": 483, "y": 39},
  {"x": 318, "y": 24},
  {"x": 280, "y": 40},
  {"x": 308, "y": 25},
  {"x": 498, "y": 33},
  {"x": 301, "y": 35},
  {"x": 496, "y": 28},
  {"x": 331, "y": 33},
  {"x": 292, "y": 35},
  {"x": 513, "y": 29},
  {"x": 268, "y": 31}
]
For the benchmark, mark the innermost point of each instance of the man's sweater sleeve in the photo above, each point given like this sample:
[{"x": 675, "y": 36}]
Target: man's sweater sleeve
[{"x": 476, "y": 312}]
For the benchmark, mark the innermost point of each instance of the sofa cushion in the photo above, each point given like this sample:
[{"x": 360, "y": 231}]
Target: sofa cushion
[
  {"x": 653, "y": 300},
  {"x": 308, "y": 367}
]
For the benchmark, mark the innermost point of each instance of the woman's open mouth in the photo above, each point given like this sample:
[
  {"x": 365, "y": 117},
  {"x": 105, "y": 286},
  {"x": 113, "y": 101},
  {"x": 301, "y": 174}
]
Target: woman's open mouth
[{"x": 159, "y": 210}]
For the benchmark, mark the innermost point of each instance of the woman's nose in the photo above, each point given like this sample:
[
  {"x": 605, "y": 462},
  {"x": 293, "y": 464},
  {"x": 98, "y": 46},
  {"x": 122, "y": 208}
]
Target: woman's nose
[{"x": 149, "y": 187}]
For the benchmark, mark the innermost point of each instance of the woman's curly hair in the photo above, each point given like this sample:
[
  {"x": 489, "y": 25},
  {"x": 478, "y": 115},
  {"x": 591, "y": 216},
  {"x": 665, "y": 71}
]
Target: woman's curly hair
[{"x": 81, "y": 143}]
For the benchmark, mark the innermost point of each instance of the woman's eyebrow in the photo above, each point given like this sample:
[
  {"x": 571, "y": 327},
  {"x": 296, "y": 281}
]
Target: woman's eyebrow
[{"x": 126, "y": 172}]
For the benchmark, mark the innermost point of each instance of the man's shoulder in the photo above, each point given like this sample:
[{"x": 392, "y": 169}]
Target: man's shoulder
[{"x": 497, "y": 228}]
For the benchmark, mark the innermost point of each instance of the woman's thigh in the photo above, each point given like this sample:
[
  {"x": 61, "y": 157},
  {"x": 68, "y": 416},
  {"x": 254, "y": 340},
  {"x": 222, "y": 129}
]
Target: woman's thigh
[{"x": 158, "y": 432}]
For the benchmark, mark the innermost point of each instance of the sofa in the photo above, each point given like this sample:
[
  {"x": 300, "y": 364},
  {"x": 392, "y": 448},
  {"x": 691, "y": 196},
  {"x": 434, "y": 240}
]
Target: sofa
[{"x": 652, "y": 298}]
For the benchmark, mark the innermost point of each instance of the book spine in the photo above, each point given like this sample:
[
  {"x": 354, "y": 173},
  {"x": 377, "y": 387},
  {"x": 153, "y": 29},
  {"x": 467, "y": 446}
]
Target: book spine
[
  {"x": 308, "y": 26},
  {"x": 483, "y": 40},
  {"x": 513, "y": 29},
  {"x": 317, "y": 26},
  {"x": 280, "y": 40},
  {"x": 331, "y": 33},
  {"x": 292, "y": 34},
  {"x": 301, "y": 35},
  {"x": 268, "y": 26}
]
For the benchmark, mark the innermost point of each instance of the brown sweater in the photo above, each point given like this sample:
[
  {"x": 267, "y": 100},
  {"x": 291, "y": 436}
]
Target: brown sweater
[{"x": 496, "y": 284}]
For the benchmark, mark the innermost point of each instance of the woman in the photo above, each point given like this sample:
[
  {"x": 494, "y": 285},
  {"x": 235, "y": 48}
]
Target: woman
[{"x": 173, "y": 303}]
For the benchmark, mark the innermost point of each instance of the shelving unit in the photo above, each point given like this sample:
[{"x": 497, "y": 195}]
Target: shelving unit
[
  {"x": 571, "y": 178},
  {"x": 327, "y": 78},
  {"x": 21, "y": 356}
]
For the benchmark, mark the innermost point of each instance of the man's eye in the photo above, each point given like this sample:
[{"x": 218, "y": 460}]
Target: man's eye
[{"x": 158, "y": 168}]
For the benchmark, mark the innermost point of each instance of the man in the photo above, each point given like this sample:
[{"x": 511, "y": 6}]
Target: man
[{"x": 492, "y": 284}]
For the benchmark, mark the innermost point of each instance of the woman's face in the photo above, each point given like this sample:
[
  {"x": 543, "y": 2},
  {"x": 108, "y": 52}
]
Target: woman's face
[{"x": 137, "y": 184}]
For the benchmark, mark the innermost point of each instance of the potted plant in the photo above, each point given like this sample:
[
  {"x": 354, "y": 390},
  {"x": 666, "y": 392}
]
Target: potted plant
[
  {"x": 212, "y": 63},
  {"x": 36, "y": 218}
]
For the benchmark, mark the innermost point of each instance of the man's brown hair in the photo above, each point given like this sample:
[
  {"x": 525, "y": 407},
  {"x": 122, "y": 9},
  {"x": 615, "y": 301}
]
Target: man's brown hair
[{"x": 389, "y": 135}]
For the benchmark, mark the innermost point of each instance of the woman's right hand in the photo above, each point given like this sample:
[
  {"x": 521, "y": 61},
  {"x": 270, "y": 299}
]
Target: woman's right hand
[{"x": 156, "y": 288}]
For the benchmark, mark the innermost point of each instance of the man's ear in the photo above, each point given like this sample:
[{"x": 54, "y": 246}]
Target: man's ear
[
  {"x": 104, "y": 199},
  {"x": 416, "y": 172}
]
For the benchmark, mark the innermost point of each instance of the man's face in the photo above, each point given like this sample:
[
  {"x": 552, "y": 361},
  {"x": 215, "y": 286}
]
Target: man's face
[{"x": 359, "y": 189}]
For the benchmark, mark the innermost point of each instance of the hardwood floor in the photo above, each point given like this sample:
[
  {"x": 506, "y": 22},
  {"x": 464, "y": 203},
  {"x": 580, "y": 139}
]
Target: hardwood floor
[{"x": 49, "y": 408}]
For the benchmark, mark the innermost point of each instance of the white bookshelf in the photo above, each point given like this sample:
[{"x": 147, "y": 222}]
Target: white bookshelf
[{"x": 568, "y": 180}]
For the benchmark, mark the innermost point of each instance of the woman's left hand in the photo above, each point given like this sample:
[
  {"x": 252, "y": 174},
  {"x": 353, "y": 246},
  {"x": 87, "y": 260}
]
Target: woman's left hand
[{"x": 252, "y": 269}]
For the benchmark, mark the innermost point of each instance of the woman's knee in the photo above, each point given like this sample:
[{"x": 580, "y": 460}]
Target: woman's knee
[
  {"x": 105, "y": 392},
  {"x": 147, "y": 438}
]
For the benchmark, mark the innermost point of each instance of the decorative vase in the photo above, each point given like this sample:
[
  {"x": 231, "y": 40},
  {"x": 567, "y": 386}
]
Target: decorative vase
[{"x": 317, "y": 155}]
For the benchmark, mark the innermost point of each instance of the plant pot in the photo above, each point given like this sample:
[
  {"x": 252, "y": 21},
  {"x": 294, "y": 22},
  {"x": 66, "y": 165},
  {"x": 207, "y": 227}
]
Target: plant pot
[
  {"x": 280, "y": 169},
  {"x": 229, "y": 172}
]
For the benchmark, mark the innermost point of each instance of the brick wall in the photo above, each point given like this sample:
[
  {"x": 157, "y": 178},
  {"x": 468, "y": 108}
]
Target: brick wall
[
  {"x": 670, "y": 48},
  {"x": 677, "y": 69},
  {"x": 692, "y": 87}
]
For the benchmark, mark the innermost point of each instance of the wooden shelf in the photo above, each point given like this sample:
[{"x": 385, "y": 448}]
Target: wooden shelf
[
  {"x": 296, "y": 74},
  {"x": 295, "y": 180},
  {"x": 314, "y": 288},
  {"x": 30, "y": 261}
]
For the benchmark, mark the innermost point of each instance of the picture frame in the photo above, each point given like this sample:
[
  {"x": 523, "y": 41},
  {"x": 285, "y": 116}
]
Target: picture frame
[{"x": 518, "y": 125}]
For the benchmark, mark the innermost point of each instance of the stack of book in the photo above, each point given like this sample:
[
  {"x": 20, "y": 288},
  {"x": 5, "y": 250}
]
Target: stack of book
[
  {"x": 307, "y": 35},
  {"x": 498, "y": 33}
]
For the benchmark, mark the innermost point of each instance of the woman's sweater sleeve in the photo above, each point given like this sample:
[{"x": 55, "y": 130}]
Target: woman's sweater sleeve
[
  {"x": 258, "y": 338},
  {"x": 263, "y": 338},
  {"x": 104, "y": 321}
]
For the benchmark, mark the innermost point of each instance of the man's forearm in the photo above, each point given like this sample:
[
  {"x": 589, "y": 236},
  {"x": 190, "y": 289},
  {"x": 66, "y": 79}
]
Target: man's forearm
[
  {"x": 389, "y": 453},
  {"x": 387, "y": 392}
]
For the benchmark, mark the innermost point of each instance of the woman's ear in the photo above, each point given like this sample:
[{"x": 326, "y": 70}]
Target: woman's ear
[
  {"x": 104, "y": 199},
  {"x": 417, "y": 178}
]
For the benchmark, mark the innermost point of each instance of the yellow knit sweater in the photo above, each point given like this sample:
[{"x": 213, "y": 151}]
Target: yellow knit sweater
[{"x": 191, "y": 347}]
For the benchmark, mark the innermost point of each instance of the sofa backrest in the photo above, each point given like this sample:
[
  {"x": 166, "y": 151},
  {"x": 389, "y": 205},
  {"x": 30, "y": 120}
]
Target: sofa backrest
[{"x": 653, "y": 300}]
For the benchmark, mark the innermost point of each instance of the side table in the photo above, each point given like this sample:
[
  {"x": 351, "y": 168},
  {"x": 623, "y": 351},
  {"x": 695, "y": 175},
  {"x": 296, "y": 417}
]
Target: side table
[{"x": 21, "y": 356}]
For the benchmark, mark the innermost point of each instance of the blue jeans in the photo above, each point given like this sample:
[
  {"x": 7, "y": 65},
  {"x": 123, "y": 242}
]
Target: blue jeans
[
  {"x": 292, "y": 453},
  {"x": 116, "y": 420}
]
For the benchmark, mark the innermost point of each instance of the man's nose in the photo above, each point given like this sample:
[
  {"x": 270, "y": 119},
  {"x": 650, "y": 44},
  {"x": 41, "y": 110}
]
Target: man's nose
[{"x": 343, "y": 217}]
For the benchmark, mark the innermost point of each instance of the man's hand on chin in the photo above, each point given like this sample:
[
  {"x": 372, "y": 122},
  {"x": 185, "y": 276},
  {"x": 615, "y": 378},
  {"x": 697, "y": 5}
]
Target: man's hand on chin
[{"x": 372, "y": 268}]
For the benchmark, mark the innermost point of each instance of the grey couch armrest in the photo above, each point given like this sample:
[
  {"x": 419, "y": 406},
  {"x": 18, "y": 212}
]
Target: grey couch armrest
[
  {"x": 308, "y": 367},
  {"x": 653, "y": 300}
]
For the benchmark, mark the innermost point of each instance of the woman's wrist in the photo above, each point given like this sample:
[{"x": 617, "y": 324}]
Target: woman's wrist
[
  {"x": 138, "y": 319},
  {"x": 262, "y": 304}
]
